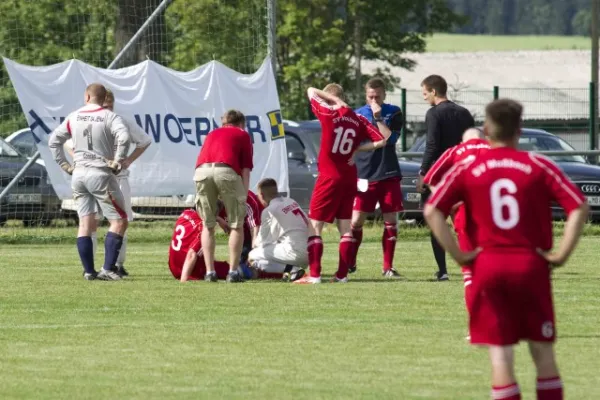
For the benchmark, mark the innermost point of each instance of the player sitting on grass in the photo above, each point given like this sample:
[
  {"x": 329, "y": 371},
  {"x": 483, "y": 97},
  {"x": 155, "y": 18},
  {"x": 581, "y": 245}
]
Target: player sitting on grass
[
  {"x": 186, "y": 259},
  {"x": 508, "y": 194},
  {"x": 281, "y": 242}
]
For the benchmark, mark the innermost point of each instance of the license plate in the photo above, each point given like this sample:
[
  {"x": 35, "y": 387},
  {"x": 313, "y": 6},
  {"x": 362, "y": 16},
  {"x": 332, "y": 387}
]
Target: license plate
[
  {"x": 593, "y": 200},
  {"x": 413, "y": 197},
  {"x": 24, "y": 198}
]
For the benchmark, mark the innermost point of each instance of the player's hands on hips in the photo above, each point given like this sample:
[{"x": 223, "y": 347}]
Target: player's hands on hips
[
  {"x": 554, "y": 259},
  {"x": 466, "y": 258},
  {"x": 68, "y": 168},
  {"x": 376, "y": 109},
  {"x": 115, "y": 166}
]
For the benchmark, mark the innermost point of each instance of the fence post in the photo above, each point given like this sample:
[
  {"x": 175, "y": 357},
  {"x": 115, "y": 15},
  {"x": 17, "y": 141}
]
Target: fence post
[
  {"x": 496, "y": 92},
  {"x": 161, "y": 7},
  {"x": 592, "y": 124},
  {"x": 403, "y": 106}
]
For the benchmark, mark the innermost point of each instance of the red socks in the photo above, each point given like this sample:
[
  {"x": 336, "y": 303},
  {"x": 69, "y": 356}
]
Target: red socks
[
  {"x": 357, "y": 235},
  {"x": 315, "y": 253},
  {"x": 347, "y": 247},
  {"x": 549, "y": 388},
  {"x": 508, "y": 392},
  {"x": 388, "y": 243}
]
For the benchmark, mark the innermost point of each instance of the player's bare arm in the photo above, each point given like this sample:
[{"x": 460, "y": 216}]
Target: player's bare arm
[
  {"x": 334, "y": 100},
  {"x": 370, "y": 146},
  {"x": 383, "y": 128},
  {"x": 134, "y": 156},
  {"x": 56, "y": 143},
  {"x": 437, "y": 222},
  {"x": 573, "y": 229},
  {"x": 142, "y": 142},
  {"x": 188, "y": 265}
]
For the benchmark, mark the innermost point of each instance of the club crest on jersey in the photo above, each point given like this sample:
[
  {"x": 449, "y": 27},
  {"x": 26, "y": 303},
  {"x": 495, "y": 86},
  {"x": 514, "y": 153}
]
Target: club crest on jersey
[{"x": 276, "y": 122}]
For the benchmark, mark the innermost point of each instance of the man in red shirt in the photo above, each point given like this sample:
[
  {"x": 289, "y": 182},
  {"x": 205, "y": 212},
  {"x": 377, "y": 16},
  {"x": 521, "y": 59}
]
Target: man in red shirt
[
  {"x": 508, "y": 194},
  {"x": 342, "y": 132},
  {"x": 223, "y": 171},
  {"x": 472, "y": 146}
]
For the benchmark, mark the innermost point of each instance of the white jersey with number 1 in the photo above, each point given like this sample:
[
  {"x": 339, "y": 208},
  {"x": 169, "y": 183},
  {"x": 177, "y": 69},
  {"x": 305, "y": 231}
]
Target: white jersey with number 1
[{"x": 283, "y": 221}]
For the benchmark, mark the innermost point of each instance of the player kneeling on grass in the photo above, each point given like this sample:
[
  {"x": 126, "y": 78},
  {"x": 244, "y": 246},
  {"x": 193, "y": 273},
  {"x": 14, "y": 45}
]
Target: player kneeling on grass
[
  {"x": 100, "y": 141},
  {"x": 281, "y": 242},
  {"x": 508, "y": 194},
  {"x": 142, "y": 141}
]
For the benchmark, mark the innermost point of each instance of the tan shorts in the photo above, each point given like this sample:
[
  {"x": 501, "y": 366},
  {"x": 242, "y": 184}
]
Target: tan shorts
[{"x": 220, "y": 182}]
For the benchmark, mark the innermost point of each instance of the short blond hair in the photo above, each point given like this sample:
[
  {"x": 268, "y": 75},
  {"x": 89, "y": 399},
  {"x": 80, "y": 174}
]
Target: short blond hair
[
  {"x": 334, "y": 89},
  {"x": 96, "y": 91}
]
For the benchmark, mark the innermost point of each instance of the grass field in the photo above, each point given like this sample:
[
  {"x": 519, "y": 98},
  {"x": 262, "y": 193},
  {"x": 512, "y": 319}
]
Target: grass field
[
  {"x": 443, "y": 42},
  {"x": 150, "y": 337}
]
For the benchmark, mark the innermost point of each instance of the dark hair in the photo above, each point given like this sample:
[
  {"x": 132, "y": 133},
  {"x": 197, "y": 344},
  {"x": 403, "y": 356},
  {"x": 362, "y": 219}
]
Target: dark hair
[
  {"x": 437, "y": 83},
  {"x": 268, "y": 186},
  {"x": 503, "y": 118},
  {"x": 234, "y": 117},
  {"x": 375, "y": 83}
]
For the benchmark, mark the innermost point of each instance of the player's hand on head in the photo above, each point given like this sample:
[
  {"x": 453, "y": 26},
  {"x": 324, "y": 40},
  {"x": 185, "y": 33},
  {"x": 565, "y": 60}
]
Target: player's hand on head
[{"x": 555, "y": 260}]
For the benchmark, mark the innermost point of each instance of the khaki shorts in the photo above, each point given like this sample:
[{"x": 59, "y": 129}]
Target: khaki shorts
[
  {"x": 93, "y": 187},
  {"x": 220, "y": 182}
]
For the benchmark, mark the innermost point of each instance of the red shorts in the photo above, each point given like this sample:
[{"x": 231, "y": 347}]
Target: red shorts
[
  {"x": 387, "y": 193},
  {"x": 332, "y": 199},
  {"x": 221, "y": 268},
  {"x": 511, "y": 299}
]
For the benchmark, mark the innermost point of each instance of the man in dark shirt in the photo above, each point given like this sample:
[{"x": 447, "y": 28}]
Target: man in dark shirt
[
  {"x": 446, "y": 122},
  {"x": 379, "y": 178}
]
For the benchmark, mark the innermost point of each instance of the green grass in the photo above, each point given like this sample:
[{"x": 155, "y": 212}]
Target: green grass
[
  {"x": 151, "y": 337},
  {"x": 443, "y": 42}
]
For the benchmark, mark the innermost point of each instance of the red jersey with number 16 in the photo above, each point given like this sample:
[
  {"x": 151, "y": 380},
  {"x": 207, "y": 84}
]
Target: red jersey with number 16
[
  {"x": 342, "y": 131},
  {"x": 508, "y": 194}
]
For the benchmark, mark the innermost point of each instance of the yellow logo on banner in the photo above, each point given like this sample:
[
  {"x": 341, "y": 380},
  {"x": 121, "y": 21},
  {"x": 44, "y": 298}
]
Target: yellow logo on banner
[{"x": 277, "y": 131}]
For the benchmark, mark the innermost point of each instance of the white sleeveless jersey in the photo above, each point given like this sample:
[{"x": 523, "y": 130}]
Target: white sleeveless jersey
[
  {"x": 98, "y": 135},
  {"x": 283, "y": 221}
]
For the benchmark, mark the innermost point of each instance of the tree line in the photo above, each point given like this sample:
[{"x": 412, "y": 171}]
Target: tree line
[{"x": 524, "y": 17}]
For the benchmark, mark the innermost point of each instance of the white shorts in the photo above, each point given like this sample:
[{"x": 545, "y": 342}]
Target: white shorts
[
  {"x": 282, "y": 253},
  {"x": 97, "y": 189},
  {"x": 126, "y": 190}
]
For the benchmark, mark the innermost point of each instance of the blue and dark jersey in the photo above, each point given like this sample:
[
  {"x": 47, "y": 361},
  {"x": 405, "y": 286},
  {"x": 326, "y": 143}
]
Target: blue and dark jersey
[{"x": 382, "y": 163}]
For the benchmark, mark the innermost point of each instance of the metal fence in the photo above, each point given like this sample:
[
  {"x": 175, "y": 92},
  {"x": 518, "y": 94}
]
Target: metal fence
[{"x": 563, "y": 111}]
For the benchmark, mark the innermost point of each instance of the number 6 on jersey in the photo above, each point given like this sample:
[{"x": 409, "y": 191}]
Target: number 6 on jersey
[{"x": 501, "y": 202}]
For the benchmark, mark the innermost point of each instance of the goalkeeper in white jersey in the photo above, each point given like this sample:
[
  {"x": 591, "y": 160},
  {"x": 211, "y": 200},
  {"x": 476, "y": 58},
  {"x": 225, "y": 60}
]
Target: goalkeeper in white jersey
[
  {"x": 100, "y": 143},
  {"x": 142, "y": 141},
  {"x": 281, "y": 241}
]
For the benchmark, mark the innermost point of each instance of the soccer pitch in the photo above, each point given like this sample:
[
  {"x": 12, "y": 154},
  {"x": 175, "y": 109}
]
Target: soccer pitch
[{"x": 150, "y": 337}]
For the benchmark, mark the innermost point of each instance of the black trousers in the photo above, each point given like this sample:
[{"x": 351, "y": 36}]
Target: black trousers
[{"x": 438, "y": 250}]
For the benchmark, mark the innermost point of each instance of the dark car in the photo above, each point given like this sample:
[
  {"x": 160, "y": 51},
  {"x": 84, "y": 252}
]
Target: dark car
[
  {"x": 32, "y": 199},
  {"x": 577, "y": 168},
  {"x": 303, "y": 141}
]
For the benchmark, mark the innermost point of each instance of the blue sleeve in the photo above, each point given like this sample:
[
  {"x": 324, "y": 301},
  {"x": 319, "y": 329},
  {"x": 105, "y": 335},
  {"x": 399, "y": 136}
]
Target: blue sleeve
[{"x": 390, "y": 111}]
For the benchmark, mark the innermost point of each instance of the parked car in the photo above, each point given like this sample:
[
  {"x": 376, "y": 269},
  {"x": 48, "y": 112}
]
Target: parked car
[
  {"x": 32, "y": 199},
  {"x": 143, "y": 207},
  {"x": 303, "y": 141},
  {"x": 579, "y": 170}
]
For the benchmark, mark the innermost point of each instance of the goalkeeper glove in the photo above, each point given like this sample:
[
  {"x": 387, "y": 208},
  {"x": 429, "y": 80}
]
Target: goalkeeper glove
[
  {"x": 68, "y": 168},
  {"x": 114, "y": 166}
]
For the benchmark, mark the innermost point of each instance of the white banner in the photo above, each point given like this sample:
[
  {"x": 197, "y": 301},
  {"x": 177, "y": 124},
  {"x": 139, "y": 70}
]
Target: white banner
[{"x": 177, "y": 110}]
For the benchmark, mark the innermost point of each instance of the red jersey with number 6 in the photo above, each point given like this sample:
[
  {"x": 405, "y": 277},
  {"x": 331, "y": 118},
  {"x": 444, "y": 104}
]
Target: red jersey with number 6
[
  {"x": 342, "y": 131},
  {"x": 508, "y": 194}
]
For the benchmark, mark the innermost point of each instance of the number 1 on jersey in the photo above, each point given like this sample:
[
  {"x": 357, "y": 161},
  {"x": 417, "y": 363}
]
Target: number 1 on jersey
[
  {"x": 343, "y": 140},
  {"x": 299, "y": 213},
  {"x": 87, "y": 133}
]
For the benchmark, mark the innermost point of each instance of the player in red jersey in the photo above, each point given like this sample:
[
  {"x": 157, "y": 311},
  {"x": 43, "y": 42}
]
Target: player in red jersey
[
  {"x": 342, "y": 132},
  {"x": 508, "y": 194},
  {"x": 186, "y": 249},
  {"x": 472, "y": 146}
]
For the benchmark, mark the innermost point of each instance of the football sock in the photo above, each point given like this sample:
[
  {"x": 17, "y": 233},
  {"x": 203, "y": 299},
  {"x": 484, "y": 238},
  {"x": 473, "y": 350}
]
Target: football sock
[
  {"x": 439, "y": 254},
  {"x": 346, "y": 250},
  {"x": 95, "y": 242},
  {"x": 549, "y": 388},
  {"x": 508, "y": 392},
  {"x": 112, "y": 246},
  {"x": 357, "y": 235},
  {"x": 315, "y": 253},
  {"x": 467, "y": 280},
  {"x": 122, "y": 252},
  {"x": 388, "y": 243},
  {"x": 85, "y": 247}
]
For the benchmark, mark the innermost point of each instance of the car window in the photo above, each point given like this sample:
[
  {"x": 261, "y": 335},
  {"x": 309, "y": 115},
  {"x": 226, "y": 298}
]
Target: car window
[
  {"x": 549, "y": 143},
  {"x": 293, "y": 144},
  {"x": 6, "y": 150},
  {"x": 25, "y": 144}
]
